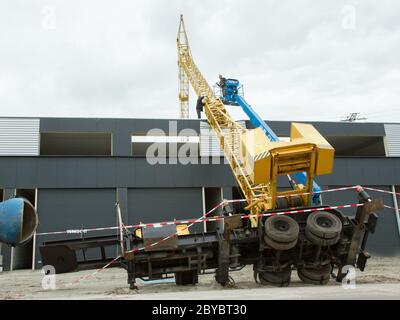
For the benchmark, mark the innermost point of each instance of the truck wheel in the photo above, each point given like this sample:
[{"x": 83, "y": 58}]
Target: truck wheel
[
  {"x": 279, "y": 245},
  {"x": 281, "y": 232},
  {"x": 186, "y": 277},
  {"x": 281, "y": 229},
  {"x": 318, "y": 276},
  {"x": 321, "y": 241},
  {"x": 323, "y": 228},
  {"x": 279, "y": 278}
]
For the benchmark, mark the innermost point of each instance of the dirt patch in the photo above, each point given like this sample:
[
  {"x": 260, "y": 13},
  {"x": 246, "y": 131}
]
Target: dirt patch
[{"x": 112, "y": 283}]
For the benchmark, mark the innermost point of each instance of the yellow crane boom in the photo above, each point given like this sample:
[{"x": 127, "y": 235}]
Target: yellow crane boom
[{"x": 256, "y": 162}]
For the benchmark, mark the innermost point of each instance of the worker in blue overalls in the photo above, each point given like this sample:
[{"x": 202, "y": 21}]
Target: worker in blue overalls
[
  {"x": 222, "y": 85},
  {"x": 199, "y": 106}
]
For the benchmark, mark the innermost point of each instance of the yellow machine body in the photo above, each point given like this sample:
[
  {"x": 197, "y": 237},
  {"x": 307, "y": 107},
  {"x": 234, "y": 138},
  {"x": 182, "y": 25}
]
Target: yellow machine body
[{"x": 307, "y": 151}]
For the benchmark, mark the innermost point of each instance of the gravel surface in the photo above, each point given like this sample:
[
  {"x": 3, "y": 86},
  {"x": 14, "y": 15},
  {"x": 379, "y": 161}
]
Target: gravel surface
[{"x": 380, "y": 280}]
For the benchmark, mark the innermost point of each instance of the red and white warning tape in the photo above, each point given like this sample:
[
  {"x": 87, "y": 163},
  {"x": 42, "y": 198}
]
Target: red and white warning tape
[
  {"x": 203, "y": 219},
  {"x": 344, "y": 206},
  {"x": 87, "y": 276},
  {"x": 139, "y": 249},
  {"x": 382, "y": 191},
  {"x": 193, "y": 221},
  {"x": 140, "y": 225},
  {"x": 161, "y": 224},
  {"x": 219, "y": 218},
  {"x": 389, "y": 207}
]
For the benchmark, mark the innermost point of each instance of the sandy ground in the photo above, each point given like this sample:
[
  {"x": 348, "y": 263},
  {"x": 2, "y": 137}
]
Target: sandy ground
[{"x": 381, "y": 280}]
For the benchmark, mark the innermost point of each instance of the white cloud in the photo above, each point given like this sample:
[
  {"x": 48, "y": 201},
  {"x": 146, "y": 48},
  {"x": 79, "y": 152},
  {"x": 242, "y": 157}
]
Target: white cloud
[{"x": 118, "y": 58}]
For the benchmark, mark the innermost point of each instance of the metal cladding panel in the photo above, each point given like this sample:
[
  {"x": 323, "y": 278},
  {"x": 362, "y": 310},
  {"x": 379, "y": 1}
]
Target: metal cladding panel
[
  {"x": 209, "y": 144},
  {"x": 19, "y": 137},
  {"x": 61, "y": 209},
  {"x": 152, "y": 205},
  {"x": 393, "y": 139}
]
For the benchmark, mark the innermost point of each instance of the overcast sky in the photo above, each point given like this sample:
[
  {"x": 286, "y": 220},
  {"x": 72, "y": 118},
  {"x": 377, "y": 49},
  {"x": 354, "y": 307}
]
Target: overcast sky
[{"x": 298, "y": 60}]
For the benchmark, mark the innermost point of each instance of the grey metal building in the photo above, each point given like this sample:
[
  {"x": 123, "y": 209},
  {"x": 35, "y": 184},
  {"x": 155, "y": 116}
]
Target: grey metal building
[{"x": 74, "y": 170}]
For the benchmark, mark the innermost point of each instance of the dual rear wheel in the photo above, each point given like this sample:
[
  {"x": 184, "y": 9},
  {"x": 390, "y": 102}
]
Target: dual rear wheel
[
  {"x": 317, "y": 276},
  {"x": 279, "y": 278},
  {"x": 281, "y": 232},
  {"x": 323, "y": 228}
]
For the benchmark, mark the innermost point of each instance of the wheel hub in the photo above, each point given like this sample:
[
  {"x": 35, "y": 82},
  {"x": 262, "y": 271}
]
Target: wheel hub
[
  {"x": 324, "y": 222},
  {"x": 281, "y": 226}
]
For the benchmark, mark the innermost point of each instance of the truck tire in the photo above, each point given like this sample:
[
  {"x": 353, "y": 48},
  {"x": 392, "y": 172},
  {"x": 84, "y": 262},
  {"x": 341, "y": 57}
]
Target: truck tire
[
  {"x": 324, "y": 224},
  {"x": 317, "y": 276},
  {"x": 279, "y": 278},
  {"x": 279, "y": 245},
  {"x": 321, "y": 241},
  {"x": 281, "y": 228},
  {"x": 186, "y": 277}
]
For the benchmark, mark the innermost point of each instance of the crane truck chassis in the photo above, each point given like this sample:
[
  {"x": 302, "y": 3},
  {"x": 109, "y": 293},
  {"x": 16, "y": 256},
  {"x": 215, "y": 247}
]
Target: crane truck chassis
[{"x": 313, "y": 243}]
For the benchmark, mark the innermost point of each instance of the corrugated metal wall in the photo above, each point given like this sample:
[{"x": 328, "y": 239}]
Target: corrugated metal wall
[
  {"x": 393, "y": 139},
  {"x": 19, "y": 137}
]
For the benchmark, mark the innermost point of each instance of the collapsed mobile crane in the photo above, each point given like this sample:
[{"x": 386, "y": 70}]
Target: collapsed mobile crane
[{"x": 265, "y": 233}]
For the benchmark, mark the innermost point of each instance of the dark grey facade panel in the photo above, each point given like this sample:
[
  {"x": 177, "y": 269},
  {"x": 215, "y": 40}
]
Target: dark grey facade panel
[
  {"x": 61, "y": 209},
  {"x": 386, "y": 240},
  {"x": 282, "y": 128},
  {"x": 58, "y": 208},
  {"x": 6, "y": 253},
  {"x": 121, "y": 129},
  {"x": 164, "y": 204},
  {"x": 111, "y": 125},
  {"x": 116, "y": 172},
  {"x": 5, "y": 249},
  {"x": 122, "y": 198},
  {"x": 107, "y": 172},
  {"x": 72, "y": 124},
  {"x": 363, "y": 171},
  {"x": 143, "y": 125}
]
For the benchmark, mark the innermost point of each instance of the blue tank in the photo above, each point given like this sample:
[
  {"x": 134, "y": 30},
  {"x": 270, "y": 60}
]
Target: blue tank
[{"x": 18, "y": 221}]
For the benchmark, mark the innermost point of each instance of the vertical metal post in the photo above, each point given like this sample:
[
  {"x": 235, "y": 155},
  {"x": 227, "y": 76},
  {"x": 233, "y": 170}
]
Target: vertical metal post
[
  {"x": 221, "y": 223},
  {"x": 1, "y": 259},
  {"x": 12, "y": 248},
  {"x": 203, "y": 196},
  {"x": 12, "y": 259},
  {"x": 1, "y": 252},
  {"x": 396, "y": 205},
  {"x": 120, "y": 230},
  {"x": 34, "y": 235}
]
